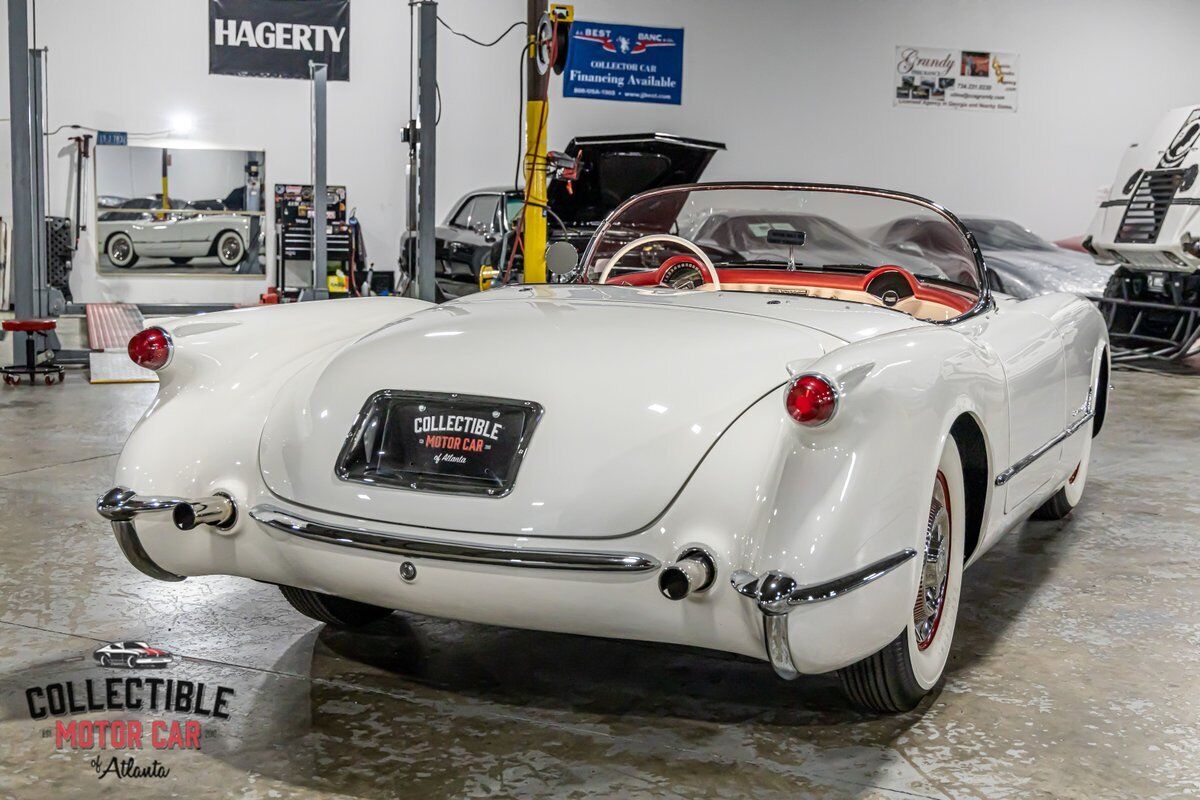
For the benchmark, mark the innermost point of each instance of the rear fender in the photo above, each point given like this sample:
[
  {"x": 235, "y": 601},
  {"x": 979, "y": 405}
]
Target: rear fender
[
  {"x": 224, "y": 373},
  {"x": 857, "y": 489}
]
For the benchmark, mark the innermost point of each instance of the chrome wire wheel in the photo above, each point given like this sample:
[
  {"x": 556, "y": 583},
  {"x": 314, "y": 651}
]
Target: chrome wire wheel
[
  {"x": 899, "y": 675},
  {"x": 935, "y": 566}
]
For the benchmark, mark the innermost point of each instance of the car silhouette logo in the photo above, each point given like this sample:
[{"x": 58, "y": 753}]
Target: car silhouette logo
[{"x": 134, "y": 655}]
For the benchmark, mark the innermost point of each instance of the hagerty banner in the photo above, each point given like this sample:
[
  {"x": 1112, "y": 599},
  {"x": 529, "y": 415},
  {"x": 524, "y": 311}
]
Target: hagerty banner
[
  {"x": 278, "y": 38},
  {"x": 624, "y": 62},
  {"x": 968, "y": 79}
]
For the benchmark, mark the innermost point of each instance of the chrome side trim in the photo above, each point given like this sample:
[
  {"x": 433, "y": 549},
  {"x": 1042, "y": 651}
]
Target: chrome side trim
[
  {"x": 776, "y": 594},
  {"x": 440, "y": 550},
  {"x": 1082, "y": 417},
  {"x": 119, "y": 506}
]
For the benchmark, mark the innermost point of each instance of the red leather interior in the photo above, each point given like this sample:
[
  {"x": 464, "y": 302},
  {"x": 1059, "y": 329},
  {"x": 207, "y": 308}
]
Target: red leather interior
[{"x": 960, "y": 302}]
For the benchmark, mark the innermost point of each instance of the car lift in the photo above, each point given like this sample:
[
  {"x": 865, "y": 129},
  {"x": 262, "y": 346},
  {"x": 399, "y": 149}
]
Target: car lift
[
  {"x": 545, "y": 48},
  {"x": 421, "y": 136},
  {"x": 34, "y": 300}
]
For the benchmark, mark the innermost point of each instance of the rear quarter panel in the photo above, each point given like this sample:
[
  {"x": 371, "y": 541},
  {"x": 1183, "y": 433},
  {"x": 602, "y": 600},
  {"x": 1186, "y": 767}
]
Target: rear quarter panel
[
  {"x": 216, "y": 392},
  {"x": 838, "y": 497}
]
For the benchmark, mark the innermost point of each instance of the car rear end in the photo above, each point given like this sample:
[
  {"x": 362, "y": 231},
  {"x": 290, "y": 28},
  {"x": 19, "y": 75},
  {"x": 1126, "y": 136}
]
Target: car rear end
[{"x": 384, "y": 469}]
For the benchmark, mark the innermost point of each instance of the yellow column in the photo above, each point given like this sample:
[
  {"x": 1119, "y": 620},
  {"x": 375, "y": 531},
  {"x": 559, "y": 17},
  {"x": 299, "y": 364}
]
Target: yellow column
[
  {"x": 166, "y": 199},
  {"x": 534, "y": 223}
]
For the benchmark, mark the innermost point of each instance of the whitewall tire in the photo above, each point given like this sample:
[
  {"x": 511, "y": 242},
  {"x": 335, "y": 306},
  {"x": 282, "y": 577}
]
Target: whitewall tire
[
  {"x": 899, "y": 676},
  {"x": 230, "y": 249},
  {"x": 119, "y": 249},
  {"x": 1070, "y": 493}
]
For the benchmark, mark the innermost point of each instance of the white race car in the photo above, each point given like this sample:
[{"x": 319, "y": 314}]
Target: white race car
[
  {"x": 140, "y": 228},
  {"x": 780, "y": 439},
  {"x": 137, "y": 655},
  {"x": 1150, "y": 226}
]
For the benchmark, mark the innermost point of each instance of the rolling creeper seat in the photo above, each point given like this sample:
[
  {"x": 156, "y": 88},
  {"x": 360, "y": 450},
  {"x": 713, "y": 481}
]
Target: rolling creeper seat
[{"x": 33, "y": 327}]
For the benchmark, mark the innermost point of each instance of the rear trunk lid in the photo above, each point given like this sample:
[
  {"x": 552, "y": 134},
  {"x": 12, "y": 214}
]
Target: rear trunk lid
[
  {"x": 632, "y": 393},
  {"x": 611, "y": 169}
]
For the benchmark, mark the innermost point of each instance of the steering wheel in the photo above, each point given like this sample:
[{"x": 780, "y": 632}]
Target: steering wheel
[{"x": 701, "y": 257}]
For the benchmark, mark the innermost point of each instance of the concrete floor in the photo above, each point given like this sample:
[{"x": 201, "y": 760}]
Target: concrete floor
[{"x": 1074, "y": 671}]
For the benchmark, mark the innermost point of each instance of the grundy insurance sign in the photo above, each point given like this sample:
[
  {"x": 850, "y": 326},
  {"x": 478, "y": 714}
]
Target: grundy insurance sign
[{"x": 278, "y": 38}]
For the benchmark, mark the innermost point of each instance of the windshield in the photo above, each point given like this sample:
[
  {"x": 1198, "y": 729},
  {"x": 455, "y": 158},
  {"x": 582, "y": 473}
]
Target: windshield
[
  {"x": 830, "y": 242},
  {"x": 1002, "y": 234},
  {"x": 513, "y": 205}
]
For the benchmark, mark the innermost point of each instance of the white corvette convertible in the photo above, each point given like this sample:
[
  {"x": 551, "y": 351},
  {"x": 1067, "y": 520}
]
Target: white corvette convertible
[
  {"x": 775, "y": 437},
  {"x": 185, "y": 232}
]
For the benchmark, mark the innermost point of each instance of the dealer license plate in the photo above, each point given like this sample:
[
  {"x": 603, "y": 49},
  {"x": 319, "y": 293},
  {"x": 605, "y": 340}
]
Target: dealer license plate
[{"x": 455, "y": 443}]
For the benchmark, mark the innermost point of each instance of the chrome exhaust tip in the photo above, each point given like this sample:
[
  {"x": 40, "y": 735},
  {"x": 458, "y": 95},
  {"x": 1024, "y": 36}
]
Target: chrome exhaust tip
[
  {"x": 218, "y": 510},
  {"x": 694, "y": 571}
]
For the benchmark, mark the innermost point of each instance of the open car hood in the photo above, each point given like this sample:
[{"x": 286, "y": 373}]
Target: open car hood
[
  {"x": 613, "y": 168},
  {"x": 632, "y": 391}
]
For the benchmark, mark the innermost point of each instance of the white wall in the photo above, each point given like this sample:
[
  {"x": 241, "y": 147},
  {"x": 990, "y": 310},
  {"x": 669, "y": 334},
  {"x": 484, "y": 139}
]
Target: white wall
[
  {"x": 798, "y": 90},
  {"x": 136, "y": 171}
]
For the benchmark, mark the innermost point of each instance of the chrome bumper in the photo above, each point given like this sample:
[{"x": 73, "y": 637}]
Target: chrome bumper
[
  {"x": 120, "y": 506},
  {"x": 776, "y": 594},
  {"x": 441, "y": 550}
]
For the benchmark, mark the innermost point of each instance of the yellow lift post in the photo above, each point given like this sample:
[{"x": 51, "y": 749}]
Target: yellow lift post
[
  {"x": 541, "y": 50},
  {"x": 537, "y": 85}
]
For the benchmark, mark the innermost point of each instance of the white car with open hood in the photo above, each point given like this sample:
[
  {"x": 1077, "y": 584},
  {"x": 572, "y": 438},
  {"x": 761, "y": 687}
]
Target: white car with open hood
[{"x": 774, "y": 437}]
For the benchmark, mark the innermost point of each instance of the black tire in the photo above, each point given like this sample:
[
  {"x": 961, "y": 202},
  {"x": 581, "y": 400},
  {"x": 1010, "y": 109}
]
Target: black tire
[
  {"x": 332, "y": 610},
  {"x": 1057, "y": 507},
  {"x": 478, "y": 260},
  {"x": 105, "y": 661},
  {"x": 883, "y": 682},
  {"x": 889, "y": 681},
  {"x": 180, "y": 260},
  {"x": 1116, "y": 283},
  {"x": 1069, "y": 495}
]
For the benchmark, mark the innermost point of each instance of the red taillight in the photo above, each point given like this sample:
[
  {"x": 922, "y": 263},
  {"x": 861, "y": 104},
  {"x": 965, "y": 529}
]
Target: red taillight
[
  {"x": 811, "y": 400},
  {"x": 151, "y": 348}
]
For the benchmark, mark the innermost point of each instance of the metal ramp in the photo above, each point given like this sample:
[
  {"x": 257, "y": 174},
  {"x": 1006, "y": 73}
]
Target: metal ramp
[{"x": 110, "y": 326}]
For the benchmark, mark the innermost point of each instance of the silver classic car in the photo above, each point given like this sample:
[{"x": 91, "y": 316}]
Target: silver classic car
[
  {"x": 1018, "y": 262},
  {"x": 181, "y": 231},
  {"x": 1023, "y": 264}
]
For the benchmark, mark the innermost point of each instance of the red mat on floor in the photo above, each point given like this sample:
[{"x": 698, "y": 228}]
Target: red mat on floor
[{"x": 112, "y": 325}]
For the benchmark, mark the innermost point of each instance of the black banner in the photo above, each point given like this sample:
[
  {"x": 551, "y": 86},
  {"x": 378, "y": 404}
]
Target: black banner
[{"x": 277, "y": 38}]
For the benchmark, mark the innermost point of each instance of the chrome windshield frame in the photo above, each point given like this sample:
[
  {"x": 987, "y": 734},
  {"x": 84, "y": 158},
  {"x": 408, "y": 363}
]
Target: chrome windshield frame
[{"x": 984, "y": 303}]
